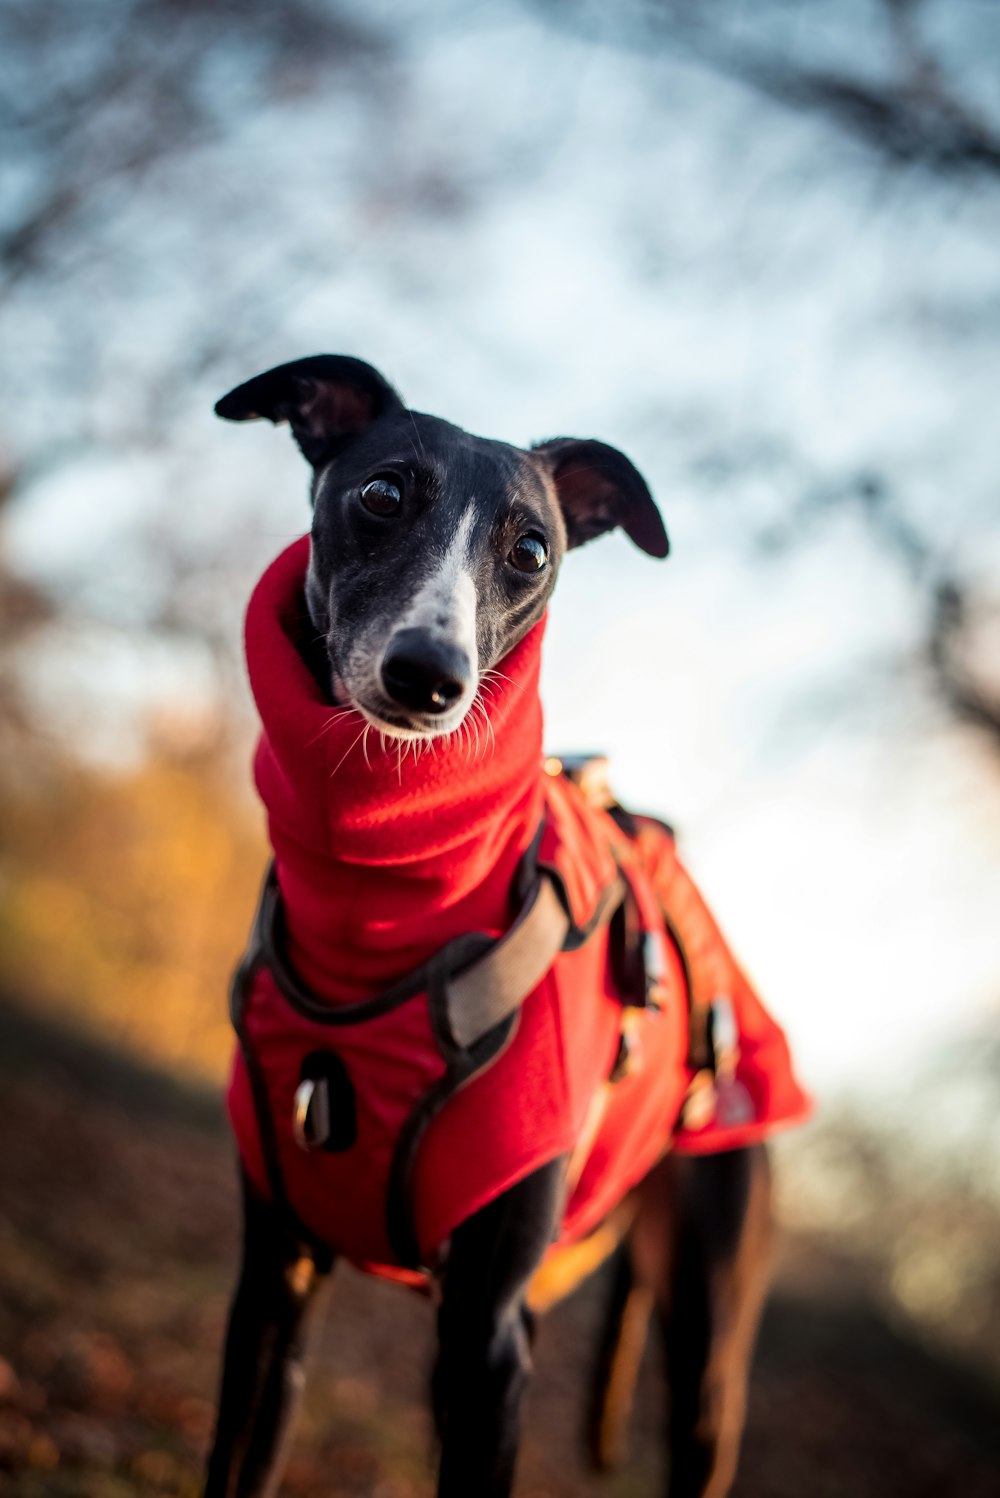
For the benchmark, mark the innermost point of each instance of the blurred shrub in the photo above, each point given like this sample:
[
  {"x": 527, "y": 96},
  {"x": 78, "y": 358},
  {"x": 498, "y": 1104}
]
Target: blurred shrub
[
  {"x": 125, "y": 898},
  {"x": 923, "y": 1231}
]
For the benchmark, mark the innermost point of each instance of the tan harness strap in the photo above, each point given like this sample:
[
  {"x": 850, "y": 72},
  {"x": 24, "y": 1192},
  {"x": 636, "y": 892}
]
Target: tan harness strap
[{"x": 495, "y": 985}]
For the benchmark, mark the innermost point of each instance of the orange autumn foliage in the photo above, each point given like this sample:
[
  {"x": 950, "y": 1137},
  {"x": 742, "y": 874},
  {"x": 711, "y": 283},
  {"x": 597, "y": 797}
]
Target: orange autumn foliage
[{"x": 125, "y": 899}]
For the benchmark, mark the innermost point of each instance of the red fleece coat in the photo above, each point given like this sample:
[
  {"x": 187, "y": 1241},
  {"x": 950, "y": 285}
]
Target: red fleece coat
[{"x": 382, "y": 856}]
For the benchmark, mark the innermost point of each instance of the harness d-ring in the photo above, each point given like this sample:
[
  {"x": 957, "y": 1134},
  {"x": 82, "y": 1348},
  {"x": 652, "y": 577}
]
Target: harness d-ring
[{"x": 308, "y": 1133}]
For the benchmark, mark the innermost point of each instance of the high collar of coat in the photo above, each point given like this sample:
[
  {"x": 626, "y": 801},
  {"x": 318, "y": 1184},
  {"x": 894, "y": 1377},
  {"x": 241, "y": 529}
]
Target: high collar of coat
[{"x": 386, "y": 849}]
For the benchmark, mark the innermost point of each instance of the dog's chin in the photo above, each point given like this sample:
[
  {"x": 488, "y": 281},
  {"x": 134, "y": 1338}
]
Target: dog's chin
[{"x": 409, "y": 726}]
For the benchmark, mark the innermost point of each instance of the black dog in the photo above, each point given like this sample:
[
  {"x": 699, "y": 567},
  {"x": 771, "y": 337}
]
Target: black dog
[{"x": 433, "y": 553}]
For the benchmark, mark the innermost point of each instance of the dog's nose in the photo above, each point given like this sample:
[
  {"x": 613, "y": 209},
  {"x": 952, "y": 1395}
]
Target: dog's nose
[{"x": 425, "y": 674}]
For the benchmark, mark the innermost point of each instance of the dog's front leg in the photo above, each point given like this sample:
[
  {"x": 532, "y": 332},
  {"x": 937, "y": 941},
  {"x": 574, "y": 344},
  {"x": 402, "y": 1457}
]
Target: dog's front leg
[
  {"x": 262, "y": 1373},
  {"x": 484, "y": 1330}
]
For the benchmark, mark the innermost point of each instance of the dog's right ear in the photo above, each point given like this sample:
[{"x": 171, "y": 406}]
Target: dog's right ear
[{"x": 326, "y": 399}]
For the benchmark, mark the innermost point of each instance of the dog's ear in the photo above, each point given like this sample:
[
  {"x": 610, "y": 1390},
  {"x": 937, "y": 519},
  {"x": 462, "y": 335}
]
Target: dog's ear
[
  {"x": 598, "y": 489},
  {"x": 325, "y": 399}
]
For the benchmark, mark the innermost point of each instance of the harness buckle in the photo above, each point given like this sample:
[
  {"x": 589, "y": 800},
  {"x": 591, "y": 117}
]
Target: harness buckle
[
  {"x": 698, "y": 1107},
  {"x": 324, "y": 1112},
  {"x": 654, "y": 963},
  {"x": 311, "y": 1113},
  {"x": 724, "y": 1037},
  {"x": 589, "y": 772},
  {"x": 714, "y": 1094}
]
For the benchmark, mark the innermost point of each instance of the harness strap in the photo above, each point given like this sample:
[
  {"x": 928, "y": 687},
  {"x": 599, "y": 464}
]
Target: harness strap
[
  {"x": 482, "y": 980},
  {"x": 399, "y": 1213},
  {"x": 239, "y": 996},
  {"x": 713, "y": 1034},
  {"x": 475, "y": 987},
  {"x": 494, "y": 986}
]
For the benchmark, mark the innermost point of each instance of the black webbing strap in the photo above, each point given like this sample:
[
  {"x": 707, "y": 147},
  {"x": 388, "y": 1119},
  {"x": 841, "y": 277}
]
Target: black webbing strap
[
  {"x": 475, "y": 1011},
  {"x": 700, "y": 1053},
  {"x": 475, "y": 986},
  {"x": 487, "y": 978},
  {"x": 699, "y": 1056},
  {"x": 462, "y": 1067},
  {"x": 239, "y": 995}
]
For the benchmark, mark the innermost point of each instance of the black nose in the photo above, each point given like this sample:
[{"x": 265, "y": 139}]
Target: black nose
[{"x": 425, "y": 674}]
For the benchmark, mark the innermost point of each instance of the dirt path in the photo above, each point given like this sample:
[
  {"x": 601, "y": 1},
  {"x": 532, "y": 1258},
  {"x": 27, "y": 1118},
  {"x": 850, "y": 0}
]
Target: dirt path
[{"x": 117, "y": 1241}]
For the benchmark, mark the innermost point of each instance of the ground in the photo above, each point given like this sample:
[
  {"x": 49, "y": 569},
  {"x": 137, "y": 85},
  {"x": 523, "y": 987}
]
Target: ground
[{"x": 117, "y": 1247}]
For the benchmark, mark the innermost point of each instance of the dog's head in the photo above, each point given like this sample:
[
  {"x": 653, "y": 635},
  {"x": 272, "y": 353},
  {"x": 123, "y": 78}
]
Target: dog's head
[{"x": 433, "y": 552}]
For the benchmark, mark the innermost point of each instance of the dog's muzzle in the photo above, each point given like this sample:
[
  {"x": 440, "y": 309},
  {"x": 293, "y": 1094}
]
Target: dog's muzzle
[{"x": 425, "y": 674}]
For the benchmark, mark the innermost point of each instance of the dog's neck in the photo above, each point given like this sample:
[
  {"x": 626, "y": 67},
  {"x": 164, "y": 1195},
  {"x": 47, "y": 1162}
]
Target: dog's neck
[{"x": 385, "y": 850}]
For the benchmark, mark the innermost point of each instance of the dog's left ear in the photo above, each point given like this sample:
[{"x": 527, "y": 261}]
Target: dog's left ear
[
  {"x": 598, "y": 489},
  {"x": 326, "y": 399}
]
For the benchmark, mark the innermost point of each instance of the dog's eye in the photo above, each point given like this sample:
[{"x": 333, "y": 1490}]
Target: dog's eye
[
  {"x": 529, "y": 553},
  {"x": 381, "y": 496}
]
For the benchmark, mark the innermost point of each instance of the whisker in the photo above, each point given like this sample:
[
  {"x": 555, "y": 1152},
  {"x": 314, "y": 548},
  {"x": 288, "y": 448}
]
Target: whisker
[
  {"x": 352, "y": 745},
  {"x": 479, "y": 706},
  {"x": 416, "y": 434},
  {"x": 338, "y": 712},
  {"x": 492, "y": 674},
  {"x": 489, "y": 737}
]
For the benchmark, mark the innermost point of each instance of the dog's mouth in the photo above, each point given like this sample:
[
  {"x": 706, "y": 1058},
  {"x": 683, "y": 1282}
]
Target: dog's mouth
[
  {"x": 417, "y": 727},
  {"x": 396, "y": 722}
]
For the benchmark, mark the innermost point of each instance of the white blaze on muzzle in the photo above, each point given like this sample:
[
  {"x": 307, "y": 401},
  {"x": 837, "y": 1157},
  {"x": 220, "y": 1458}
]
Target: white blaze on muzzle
[{"x": 445, "y": 603}]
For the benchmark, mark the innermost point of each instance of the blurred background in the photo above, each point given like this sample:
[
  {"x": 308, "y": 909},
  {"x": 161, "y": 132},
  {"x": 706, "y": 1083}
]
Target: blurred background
[{"x": 757, "y": 246}]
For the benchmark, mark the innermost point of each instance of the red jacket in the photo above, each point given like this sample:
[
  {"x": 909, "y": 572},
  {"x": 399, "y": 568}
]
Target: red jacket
[{"x": 383, "y": 857}]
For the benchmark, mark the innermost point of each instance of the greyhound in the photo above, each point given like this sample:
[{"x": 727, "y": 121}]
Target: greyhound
[{"x": 432, "y": 557}]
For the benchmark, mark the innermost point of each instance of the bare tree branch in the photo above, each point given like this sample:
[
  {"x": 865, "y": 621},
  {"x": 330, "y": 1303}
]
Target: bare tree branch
[
  {"x": 975, "y": 703},
  {"x": 140, "y": 89},
  {"x": 918, "y": 116}
]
